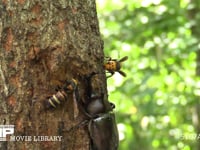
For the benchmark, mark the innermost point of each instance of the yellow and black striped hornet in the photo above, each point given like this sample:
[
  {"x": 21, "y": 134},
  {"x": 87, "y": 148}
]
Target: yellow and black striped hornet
[
  {"x": 114, "y": 65},
  {"x": 61, "y": 95}
]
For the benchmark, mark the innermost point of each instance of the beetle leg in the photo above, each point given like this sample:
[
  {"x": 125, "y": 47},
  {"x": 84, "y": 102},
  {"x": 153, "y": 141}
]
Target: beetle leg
[{"x": 82, "y": 123}]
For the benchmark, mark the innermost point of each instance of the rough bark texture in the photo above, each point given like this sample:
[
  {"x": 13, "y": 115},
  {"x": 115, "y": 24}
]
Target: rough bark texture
[{"x": 43, "y": 43}]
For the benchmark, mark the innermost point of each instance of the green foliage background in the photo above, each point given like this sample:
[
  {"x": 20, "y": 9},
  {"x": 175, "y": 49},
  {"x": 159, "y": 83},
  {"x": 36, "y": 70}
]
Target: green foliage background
[{"x": 155, "y": 103}]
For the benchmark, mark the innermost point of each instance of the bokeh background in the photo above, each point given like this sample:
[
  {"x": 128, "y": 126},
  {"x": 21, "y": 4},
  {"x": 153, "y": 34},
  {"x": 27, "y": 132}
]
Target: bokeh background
[{"x": 157, "y": 104}]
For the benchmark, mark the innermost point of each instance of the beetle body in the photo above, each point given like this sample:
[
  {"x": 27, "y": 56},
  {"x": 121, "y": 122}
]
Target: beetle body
[
  {"x": 103, "y": 132},
  {"x": 61, "y": 95},
  {"x": 114, "y": 65},
  {"x": 102, "y": 126},
  {"x": 100, "y": 119}
]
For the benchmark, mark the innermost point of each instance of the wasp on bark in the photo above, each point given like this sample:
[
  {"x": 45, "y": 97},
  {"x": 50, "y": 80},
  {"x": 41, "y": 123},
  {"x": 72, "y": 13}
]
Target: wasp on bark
[
  {"x": 61, "y": 95},
  {"x": 114, "y": 65}
]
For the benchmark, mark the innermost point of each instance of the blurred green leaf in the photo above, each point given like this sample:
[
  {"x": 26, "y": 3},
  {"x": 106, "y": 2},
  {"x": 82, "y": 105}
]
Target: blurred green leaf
[{"x": 155, "y": 102}]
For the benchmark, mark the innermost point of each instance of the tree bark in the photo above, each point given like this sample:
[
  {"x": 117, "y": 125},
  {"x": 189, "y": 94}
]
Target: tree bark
[{"x": 44, "y": 43}]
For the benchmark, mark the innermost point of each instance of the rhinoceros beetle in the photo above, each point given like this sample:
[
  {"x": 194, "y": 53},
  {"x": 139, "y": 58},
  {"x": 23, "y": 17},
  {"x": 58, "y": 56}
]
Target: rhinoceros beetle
[
  {"x": 103, "y": 132},
  {"x": 101, "y": 121}
]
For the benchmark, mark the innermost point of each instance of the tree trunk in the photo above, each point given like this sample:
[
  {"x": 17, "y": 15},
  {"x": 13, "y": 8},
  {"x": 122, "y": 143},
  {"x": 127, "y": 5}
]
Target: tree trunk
[{"x": 44, "y": 43}]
